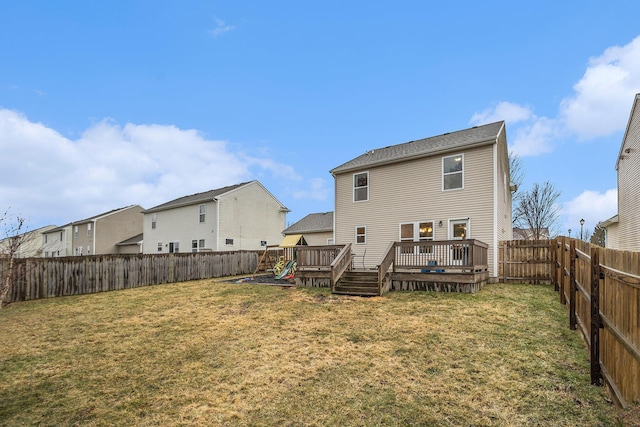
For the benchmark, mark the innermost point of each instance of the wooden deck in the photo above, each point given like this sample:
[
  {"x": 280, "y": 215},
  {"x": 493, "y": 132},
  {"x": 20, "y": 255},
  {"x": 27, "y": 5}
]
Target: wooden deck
[{"x": 444, "y": 266}]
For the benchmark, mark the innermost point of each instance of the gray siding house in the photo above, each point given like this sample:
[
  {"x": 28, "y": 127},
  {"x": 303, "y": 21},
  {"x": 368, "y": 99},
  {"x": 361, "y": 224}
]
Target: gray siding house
[
  {"x": 244, "y": 216},
  {"x": 447, "y": 187},
  {"x": 316, "y": 228}
]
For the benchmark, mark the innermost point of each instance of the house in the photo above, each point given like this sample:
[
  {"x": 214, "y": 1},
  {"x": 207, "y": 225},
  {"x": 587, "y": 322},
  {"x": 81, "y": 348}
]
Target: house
[
  {"x": 244, "y": 216},
  {"x": 317, "y": 229},
  {"x": 454, "y": 186},
  {"x": 100, "y": 234},
  {"x": 621, "y": 230},
  {"x": 56, "y": 242},
  {"x": 29, "y": 244}
]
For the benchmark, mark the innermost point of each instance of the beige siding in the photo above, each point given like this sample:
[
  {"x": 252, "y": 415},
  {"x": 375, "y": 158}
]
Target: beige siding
[
  {"x": 504, "y": 224},
  {"x": 412, "y": 191},
  {"x": 113, "y": 229},
  {"x": 628, "y": 178},
  {"x": 319, "y": 238},
  {"x": 250, "y": 215},
  {"x": 612, "y": 236}
]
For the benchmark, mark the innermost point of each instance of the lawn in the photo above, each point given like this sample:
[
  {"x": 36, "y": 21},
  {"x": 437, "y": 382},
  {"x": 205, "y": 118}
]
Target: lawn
[{"x": 213, "y": 353}]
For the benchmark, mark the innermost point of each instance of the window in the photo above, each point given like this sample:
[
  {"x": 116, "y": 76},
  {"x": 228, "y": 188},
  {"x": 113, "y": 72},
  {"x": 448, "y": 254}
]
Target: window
[
  {"x": 89, "y": 229},
  {"x": 202, "y": 213},
  {"x": 416, "y": 232},
  {"x": 159, "y": 246},
  {"x": 75, "y": 231},
  {"x": 154, "y": 218},
  {"x": 228, "y": 241},
  {"x": 361, "y": 187},
  {"x": 45, "y": 238},
  {"x": 197, "y": 245},
  {"x": 174, "y": 247},
  {"x": 361, "y": 235},
  {"x": 61, "y": 236},
  {"x": 452, "y": 172}
]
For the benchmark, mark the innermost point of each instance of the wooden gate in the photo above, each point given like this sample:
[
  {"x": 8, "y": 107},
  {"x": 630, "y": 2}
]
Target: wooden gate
[{"x": 525, "y": 261}]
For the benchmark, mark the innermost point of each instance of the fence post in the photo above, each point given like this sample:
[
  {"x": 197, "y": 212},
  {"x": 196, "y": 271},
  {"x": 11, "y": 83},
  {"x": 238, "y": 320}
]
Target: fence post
[
  {"x": 572, "y": 285},
  {"x": 563, "y": 249},
  {"x": 596, "y": 373}
]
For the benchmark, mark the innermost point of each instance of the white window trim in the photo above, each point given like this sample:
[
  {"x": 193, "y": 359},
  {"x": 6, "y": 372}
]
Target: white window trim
[
  {"x": 416, "y": 231},
  {"x": 450, "y": 229},
  {"x": 356, "y": 235},
  {"x": 451, "y": 173},
  {"x": 202, "y": 214},
  {"x": 353, "y": 187}
]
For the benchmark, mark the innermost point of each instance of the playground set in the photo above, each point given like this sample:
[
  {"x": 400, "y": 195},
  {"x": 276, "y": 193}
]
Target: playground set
[{"x": 285, "y": 253}]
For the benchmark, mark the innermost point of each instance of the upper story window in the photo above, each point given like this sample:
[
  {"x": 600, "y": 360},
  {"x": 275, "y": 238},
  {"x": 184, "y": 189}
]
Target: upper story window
[
  {"x": 89, "y": 229},
  {"x": 452, "y": 172},
  {"x": 361, "y": 187},
  {"x": 154, "y": 219},
  {"x": 75, "y": 231},
  {"x": 202, "y": 213}
]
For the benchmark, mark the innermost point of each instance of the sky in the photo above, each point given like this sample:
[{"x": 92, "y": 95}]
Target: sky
[{"x": 105, "y": 104}]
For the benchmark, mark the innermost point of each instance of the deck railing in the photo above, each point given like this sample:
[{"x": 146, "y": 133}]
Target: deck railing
[
  {"x": 441, "y": 255},
  {"x": 316, "y": 257}
]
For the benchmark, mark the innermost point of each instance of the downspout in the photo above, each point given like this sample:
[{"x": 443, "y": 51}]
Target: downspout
[
  {"x": 95, "y": 235},
  {"x": 217, "y": 229}
]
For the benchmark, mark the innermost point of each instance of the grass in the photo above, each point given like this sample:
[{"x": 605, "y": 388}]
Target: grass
[{"x": 214, "y": 353}]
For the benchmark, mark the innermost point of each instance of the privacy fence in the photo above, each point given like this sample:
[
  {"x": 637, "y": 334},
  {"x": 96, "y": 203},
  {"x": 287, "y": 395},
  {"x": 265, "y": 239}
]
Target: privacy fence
[
  {"x": 35, "y": 278},
  {"x": 601, "y": 288}
]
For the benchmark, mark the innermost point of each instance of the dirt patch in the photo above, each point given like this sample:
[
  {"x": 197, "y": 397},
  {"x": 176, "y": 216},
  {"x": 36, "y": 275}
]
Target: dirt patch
[{"x": 263, "y": 279}]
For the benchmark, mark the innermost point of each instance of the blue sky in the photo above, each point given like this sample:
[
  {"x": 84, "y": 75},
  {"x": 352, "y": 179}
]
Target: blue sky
[{"x": 104, "y": 104}]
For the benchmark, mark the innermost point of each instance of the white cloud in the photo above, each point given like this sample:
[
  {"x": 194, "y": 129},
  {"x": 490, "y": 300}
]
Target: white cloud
[
  {"x": 507, "y": 111},
  {"x": 598, "y": 107},
  {"x": 591, "y": 206},
  {"x": 45, "y": 174},
  {"x": 603, "y": 96},
  {"x": 531, "y": 136},
  {"x": 221, "y": 28}
]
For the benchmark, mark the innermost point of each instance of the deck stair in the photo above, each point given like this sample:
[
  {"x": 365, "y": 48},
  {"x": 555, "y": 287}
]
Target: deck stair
[{"x": 358, "y": 283}]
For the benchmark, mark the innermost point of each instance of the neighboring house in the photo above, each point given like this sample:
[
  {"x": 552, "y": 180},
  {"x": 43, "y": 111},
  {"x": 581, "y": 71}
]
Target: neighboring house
[
  {"x": 447, "y": 187},
  {"x": 317, "y": 229},
  {"x": 131, "y": 246},
  {"x": 621, "y": 231},
  {"x": 528, "y": 234},
  {"x": 30, "y": 244},
  {"x": 57, "y": 242},
  {"x": 243, "y": 216},
  {"x": 100, "y": 234}
]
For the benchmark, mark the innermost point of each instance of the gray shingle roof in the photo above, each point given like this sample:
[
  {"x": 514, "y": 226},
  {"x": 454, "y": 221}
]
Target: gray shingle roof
[
  {"x": 424, "y": 147},
  {"x": 195, "y": 198},
  {"x": 312, "y": 223}
]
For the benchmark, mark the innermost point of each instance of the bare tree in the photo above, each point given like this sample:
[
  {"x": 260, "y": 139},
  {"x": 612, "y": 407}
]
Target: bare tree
[
  {"x": 537, "y": 210},
  {"x": 516, "y": 172},
  {"x": 598, "y": 236},
  {"x": 13, "y": 230}
]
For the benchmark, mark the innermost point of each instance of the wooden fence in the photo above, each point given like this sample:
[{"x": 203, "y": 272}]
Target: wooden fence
[
  {"x": 525, "y": 261},
  {"x": 601, "y": 288},
  {"x": 36, "y": 278}
]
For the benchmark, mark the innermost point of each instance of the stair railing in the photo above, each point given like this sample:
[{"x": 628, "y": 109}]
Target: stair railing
[
  {"x": 340, "y": 264},
  {"x": 384, "y": 275}
]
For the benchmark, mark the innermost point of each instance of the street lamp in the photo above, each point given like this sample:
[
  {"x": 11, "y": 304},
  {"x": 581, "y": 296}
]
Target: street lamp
[
  {"x": 581, "y": 224},
  {"x": 569, "y": 232}
]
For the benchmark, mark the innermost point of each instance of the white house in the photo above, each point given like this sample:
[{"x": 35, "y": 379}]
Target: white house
[{"x": 244, "y": 216}]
